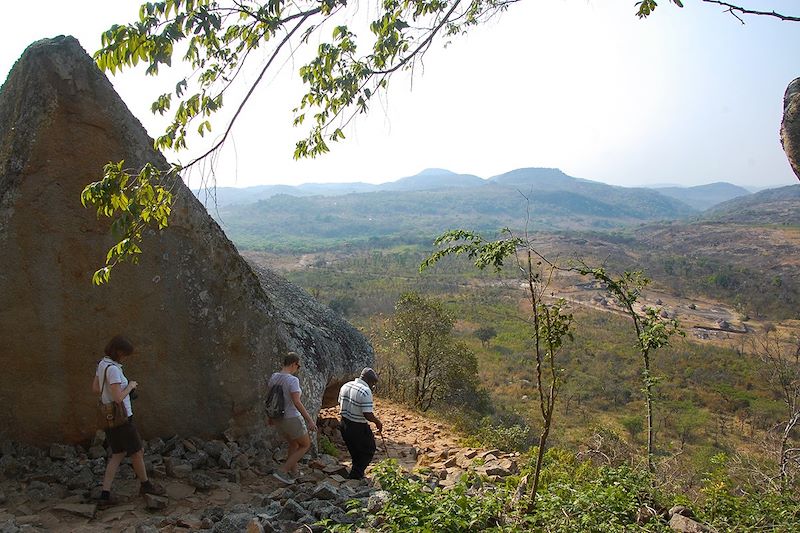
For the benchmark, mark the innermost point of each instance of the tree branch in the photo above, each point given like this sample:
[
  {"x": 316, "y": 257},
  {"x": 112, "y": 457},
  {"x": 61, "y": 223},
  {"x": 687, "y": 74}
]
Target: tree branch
[{"x": 733, "y": 9}]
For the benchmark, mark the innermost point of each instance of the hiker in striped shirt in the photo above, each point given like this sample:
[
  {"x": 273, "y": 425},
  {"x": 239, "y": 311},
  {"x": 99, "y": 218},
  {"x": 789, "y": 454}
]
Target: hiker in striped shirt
[{"x": 355, "y": 407}]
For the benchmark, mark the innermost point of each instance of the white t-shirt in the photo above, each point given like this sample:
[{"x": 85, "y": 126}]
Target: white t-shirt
[
  {"x": 115, "y": 375},
  {"x": 290, "y": 384}
]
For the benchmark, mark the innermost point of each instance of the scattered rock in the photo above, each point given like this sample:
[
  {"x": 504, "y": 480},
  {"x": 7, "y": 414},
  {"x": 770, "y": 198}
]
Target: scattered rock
[
  {"x": 181, "y": 471},
  {"x": 496, "y": 470},
  {"x": 178, "y": 491},
  {"x": 335, "y": 469},
  {"x": 87, "y": 510},
  {"x": 61, "y": 451},
  {"x": 254, "y": 526},
  {"x": 213, "y": 514},
  {"x": 325, "y": 491},
  {"x": 201, "y": 481},
  {"x": 154, "y": 502},
  {"x": 684, "y": 524},
  {"x": 291, "y": 510},
  {"x": 681, "y": 510},
  {"x": 96, "y": 452},
  {"x": 233, "y": 523},
  {"x": 84, "y": 479},
  {"x": 190, "y": 522},
  {"x": 377, "y": 501},
  {"x": 10, "y": 526},
  {"x": 225, "y": 458},
  {"x": 214, "y": 448}
]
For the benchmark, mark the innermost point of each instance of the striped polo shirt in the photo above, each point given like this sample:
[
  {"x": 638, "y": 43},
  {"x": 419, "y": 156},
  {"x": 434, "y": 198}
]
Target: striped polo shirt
[{"x": 355, "y": 399}]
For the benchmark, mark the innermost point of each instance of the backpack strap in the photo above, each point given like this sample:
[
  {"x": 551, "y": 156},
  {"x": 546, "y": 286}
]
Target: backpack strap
[{"x": 103, "y": 383}]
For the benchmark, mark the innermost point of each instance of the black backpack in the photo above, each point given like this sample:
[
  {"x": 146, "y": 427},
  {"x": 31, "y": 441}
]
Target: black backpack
[{"x": 274, "y": 406}]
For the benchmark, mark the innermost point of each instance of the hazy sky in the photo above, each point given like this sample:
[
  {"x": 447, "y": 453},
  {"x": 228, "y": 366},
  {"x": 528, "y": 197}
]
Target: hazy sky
[{"x": 688, "y": 96}]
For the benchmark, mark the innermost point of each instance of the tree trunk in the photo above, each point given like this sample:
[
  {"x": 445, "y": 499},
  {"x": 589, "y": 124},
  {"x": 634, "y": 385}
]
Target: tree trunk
[
  {"x": 539, "y": 460},
  {"x": 790, "y": 126},
  {"x": 648, "y": 387}
]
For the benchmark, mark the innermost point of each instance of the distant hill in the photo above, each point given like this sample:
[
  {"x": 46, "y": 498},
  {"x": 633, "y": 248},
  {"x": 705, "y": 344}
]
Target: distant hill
[
  {"x": 428, "y": 179},
  {"x": 557, "y": 202},
  {"x": 225, "y": 196},
  {"x": 431, "y": 179},
  {"x": 702, "y": 197},
  {"x": 540, "y": 178},
  {"x": 779, "y": 206}
]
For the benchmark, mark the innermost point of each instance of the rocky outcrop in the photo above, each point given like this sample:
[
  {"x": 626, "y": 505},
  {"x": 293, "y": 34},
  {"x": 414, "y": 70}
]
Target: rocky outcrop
[
  {"x": 208, "y": 327},
  {"x": 790, "y": 126}
]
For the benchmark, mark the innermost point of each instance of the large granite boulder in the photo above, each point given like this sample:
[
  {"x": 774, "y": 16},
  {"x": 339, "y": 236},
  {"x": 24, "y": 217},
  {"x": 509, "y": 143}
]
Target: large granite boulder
[
  {"x": 208, "y": 328},
  {"x": 790, "y": 125}
]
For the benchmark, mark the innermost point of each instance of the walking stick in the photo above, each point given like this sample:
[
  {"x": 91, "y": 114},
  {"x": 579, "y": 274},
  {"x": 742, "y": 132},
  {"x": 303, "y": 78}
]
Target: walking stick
[{"x": 383, "y": 439}]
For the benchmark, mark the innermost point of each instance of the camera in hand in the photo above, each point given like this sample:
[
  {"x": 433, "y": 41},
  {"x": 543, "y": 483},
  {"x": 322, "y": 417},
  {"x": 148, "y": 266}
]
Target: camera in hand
[{"x": 133, "y": 394}]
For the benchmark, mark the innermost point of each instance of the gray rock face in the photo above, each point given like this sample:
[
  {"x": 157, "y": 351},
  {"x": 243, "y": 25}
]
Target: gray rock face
[
  {"x": 790, "y": 126},
  {"x": 208, "y": 328}
]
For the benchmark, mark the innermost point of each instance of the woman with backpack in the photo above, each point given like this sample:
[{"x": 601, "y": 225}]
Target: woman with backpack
[{"x": 295, "y": 422}]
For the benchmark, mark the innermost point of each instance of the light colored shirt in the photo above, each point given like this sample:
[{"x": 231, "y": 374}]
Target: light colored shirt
[
  {"x": 290, "y": 384},
  {"x": 355, "y": 399},
  {"x": 115, "y": 375}
]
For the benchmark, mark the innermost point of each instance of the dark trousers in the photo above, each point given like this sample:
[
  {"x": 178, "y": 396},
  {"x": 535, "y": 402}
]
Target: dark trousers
[{"x": 361, "y": 445}]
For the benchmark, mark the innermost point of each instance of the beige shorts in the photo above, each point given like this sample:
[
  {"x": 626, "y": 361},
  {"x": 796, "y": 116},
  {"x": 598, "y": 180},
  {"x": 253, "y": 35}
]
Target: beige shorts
[{"x": 292, "y": 428}]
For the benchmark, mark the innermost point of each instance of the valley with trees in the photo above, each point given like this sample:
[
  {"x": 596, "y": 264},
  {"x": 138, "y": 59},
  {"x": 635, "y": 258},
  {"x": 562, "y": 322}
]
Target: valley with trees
[{"x": 668, "y": 371}]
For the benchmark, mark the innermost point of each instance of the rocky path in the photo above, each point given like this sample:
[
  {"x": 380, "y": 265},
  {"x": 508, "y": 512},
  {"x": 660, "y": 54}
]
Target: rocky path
[{"x": 222, "y": 486}]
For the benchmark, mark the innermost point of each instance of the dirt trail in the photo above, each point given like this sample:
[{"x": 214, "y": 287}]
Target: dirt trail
[{"x": 408, "y": 436}]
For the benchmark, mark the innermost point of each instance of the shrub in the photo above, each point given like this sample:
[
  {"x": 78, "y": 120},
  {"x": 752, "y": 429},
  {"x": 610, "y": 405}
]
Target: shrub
[
  {"x": 326, "y": 446},
  {"x": 412, "y": 506}
]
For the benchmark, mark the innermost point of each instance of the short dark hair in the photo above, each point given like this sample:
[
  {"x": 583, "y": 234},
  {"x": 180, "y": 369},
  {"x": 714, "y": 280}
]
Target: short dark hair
[
  {"x": 290, "y": 359},
  {"x": 118, "y": 344}
]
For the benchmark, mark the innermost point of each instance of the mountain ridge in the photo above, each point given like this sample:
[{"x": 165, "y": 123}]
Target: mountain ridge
[
  {"x": 703, "y": 197},
  {"x": 526, "y": 180}
]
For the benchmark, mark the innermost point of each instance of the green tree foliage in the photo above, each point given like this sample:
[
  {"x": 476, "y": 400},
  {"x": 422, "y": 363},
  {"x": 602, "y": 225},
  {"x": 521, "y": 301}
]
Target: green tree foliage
[
  {"x": 633, "y": 425},
  {"x": 133, "y": 203},
  {"x": 549, "y": 322},
  {"x": 436, "y": 369},
  {"x": 577, "y": 496},
  {"x": 485, "y": 334},
  {"x": 653, "y": 331}
]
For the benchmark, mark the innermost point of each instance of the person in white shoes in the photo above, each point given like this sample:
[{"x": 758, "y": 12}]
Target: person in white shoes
[{"x": 296, "y": 423}]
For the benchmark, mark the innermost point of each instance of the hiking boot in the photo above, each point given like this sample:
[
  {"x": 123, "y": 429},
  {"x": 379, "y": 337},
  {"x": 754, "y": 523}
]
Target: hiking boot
[
  {"x": 104, "y": 501},
  {"x": 148, "y": 487},
  {"x": 281, "y": 476}
]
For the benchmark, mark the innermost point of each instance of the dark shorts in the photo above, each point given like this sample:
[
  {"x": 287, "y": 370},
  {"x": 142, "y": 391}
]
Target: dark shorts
[{"x": 124, "y": 439}]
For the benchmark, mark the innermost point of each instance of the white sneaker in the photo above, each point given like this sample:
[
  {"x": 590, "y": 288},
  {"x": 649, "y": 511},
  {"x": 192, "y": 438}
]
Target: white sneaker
[{"x": 282, "y": 477}]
